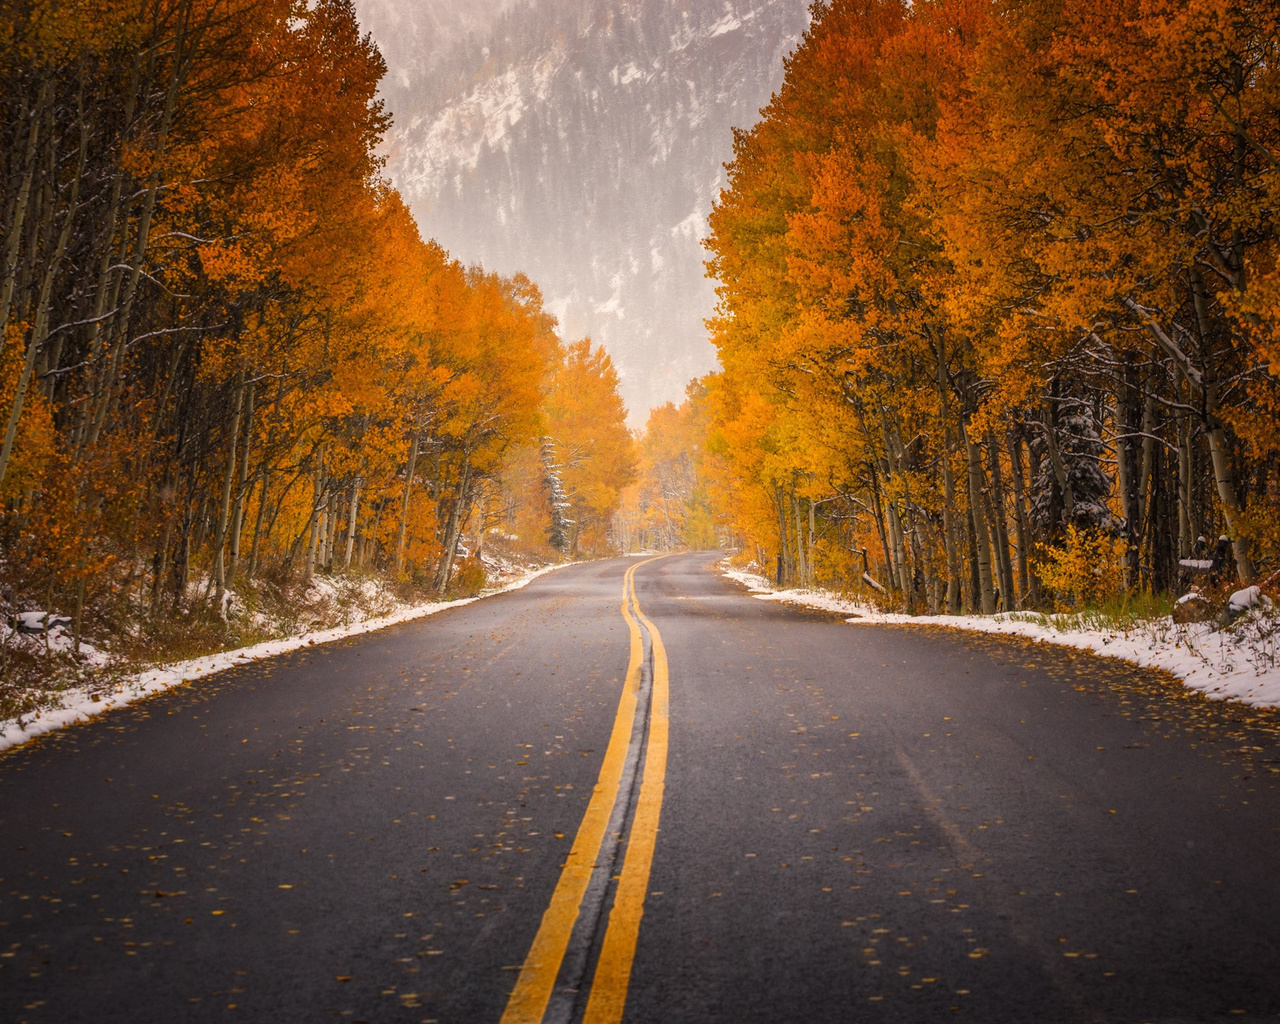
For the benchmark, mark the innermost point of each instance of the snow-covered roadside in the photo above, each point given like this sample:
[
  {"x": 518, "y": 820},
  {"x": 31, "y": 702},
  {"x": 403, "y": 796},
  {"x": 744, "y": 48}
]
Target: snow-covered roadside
[
  {"x": 81, "y": 703},
  {"x": 1240, "y": 664}
]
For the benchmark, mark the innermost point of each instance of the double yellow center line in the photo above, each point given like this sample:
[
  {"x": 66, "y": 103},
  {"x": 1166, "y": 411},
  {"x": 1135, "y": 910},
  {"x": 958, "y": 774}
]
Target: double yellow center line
[{"x": 537, "y": 979}]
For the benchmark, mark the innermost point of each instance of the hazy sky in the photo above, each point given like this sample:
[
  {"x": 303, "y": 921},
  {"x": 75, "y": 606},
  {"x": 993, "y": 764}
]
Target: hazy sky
[{"x": 582, "y": 142}]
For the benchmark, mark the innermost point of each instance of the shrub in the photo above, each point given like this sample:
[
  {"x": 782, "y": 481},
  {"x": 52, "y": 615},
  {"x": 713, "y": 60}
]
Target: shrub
[
  {"x": 469, "y": 578},
  {"x": 1085, "y": 570}
]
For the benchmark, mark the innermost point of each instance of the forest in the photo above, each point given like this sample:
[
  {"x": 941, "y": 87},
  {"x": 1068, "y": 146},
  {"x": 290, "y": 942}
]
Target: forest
[
  {"x": 230, "y": 364},
  {"x": 998, "y": 305},
  {"x": 997, "y": 325}
]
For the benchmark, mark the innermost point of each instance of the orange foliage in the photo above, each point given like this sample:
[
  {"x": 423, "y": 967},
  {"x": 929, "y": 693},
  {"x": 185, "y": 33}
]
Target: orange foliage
[
  {"x": 227, "y": 351},
  {"x": 991, "y": 276}
]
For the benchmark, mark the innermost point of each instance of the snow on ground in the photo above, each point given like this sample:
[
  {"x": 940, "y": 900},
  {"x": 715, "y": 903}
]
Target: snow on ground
[
  {"x": 57, "y": 641},
  {"x": 81, "y": 703},
  {"x": 1240, "y": 663}
]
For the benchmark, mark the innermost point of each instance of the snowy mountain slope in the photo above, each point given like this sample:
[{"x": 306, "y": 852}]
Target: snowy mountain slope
[
  {"x": 420, "y": 40},
  {"x": 582, "y": 141}
]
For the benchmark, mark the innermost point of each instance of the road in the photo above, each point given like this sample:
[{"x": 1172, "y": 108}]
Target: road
[{"x": 694, "y": 806}]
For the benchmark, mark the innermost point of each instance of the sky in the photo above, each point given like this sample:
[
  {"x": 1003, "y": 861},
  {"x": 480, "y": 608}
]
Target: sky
[{"x": 582, "y": 142}]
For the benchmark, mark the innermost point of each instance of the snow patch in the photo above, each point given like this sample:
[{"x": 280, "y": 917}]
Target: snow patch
[
  {"x": 38, "y": 622},
  {"x": 612, "y": 305},
  {"x": 58, "y": 641},
  {"x": 1243, "y": 600},
  {"x": 461, "y": 131},
  {"x": 83, "y": 703},
  {"x": 1241, "y": 663},
  {"x": 729, "y": 23},
  {"x": 558, "y": 307},
  {"x": 693, "y": 226},
  {"x": 627, "y": 75}
]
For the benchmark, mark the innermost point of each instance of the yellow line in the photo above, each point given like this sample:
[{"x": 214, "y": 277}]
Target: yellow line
[
  {"x": 537, "y": 979},
  {"x": 613, "y": 971}
]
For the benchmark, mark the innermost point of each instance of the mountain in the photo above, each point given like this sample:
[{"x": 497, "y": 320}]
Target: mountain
[{"x": 582, "y": 142}]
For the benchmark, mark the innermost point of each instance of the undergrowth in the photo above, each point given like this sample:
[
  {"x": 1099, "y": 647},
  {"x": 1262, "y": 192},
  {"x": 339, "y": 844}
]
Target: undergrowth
[
  {"x": 1117, "y": 612},
  {"x": 35, "y": 671}
]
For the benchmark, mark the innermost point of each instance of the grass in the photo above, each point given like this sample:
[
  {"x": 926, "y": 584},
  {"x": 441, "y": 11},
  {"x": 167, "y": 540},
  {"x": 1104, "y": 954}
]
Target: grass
[
  {"x": 33, "y": 679},
  {"x": 1121, "y": 612},
  {"x": 32, "y": 682},
  {"x": 270, "y": 608}
]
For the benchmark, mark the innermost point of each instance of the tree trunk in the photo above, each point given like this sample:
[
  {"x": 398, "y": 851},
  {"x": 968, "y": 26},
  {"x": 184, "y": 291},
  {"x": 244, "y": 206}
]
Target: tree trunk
[
  {"x": 1219, "y": 451},
  {"x": 79, "y": 616},
  {"x": 224, "y": 507},
  {"x": 900, "y": 554},
  {"x": 351, "y": 525},
  {"x": 1059, "y": 467},
  {"x": 784, "y": 537},
  {"x": 254, "y": 546},
  {"x": 809, "y": 555},
  {"x": 39, "y": 331},
  {"x": 322, "y": 534},
  {"x": 891, "y": 570},
  {"x": 1021, "y": 527},
  {"x": 120, "y": 318},
  {"x": 802, "y": 568},
  {"x": 1160, "y": 533},
  {"x": 1231, "y": 508},
  {"x": 404, "y": 503},
  {"x": 182, "y": 564},
  {"x": 955, "y": 563},
  {"x": 371, "y": 542},
  {"x": 21, "y": 203},
  {"x": 973, "y": 592},
  {"x": 160, "y": 565},
  {"x": 102, "y": 292},
  {"x": 452, "y": 529},
  {"x": 985, "y": 589},
  {"x": 242, "y": 490},
  {"x": 313, "y": 531},
  {"x": 950, "y": 529},
  {"x": 1127, "y": 472},
  {"x": 1186, "y": 522},
  {"x": 1145, "y": 496},
  {"x": 999, "y": 519},
  {"x": 332, "y": 508}
]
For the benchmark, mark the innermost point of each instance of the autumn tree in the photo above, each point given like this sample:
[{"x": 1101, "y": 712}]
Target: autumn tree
[
  {"x": 588, "y": 444},
  {"x": 227, "y": 353},
  {"x": 993, "y": 281}
]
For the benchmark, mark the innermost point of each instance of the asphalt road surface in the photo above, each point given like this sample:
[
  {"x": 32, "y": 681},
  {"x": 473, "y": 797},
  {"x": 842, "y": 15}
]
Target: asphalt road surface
[{"x": 704, "y": 807}]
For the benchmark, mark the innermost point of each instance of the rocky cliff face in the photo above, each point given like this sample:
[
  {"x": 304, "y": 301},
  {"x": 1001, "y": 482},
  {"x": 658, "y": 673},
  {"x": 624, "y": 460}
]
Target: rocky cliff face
[{"x": 582, "y": 141}]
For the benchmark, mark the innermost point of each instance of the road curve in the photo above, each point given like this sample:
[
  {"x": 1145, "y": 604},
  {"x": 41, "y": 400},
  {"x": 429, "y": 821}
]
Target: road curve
[{"x": 851, "y": 823}]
